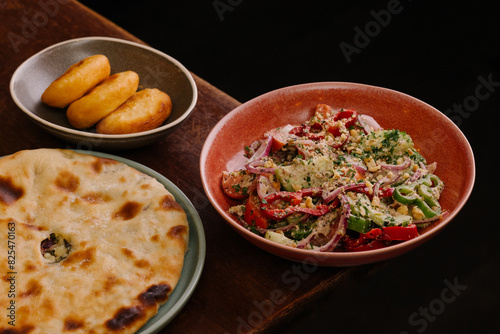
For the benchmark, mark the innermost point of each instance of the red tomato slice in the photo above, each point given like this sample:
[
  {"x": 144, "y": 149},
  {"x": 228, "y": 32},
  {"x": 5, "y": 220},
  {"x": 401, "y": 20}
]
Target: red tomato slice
[
  {"x": 281, "y": 136},
  {"x": 298, "y": 131},
  {"x": 278, "y": 143},
  {"x": 238, "y": 184},
  {"x": 349, "y": 114},
  {"x": 335, "y": 129},
  {"x": 253, "y": 214},
  {"x": 318, "y": 126}
]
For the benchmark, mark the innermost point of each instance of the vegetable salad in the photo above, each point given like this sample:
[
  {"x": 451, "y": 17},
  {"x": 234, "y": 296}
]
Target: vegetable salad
[{"x": 338, "y": 182}]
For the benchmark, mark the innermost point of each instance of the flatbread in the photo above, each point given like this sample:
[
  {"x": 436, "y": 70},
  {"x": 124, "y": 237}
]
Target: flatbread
[{"x": 125, "y": 242}]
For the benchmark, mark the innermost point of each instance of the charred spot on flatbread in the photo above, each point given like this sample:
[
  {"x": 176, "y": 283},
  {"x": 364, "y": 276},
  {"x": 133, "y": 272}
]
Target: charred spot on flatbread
[
  {"x": 33, "y": 289},
  {"x": 9, "y": 192},
  {"x": 128, "y": 210},
  {"x": 125, "y": 317},
  {"x": 168, "y": 203},
  {"x": 22, "y": 330},
  {"x": 99, "y": 163},
  {"x": 72, "y": 324},
  {"x": 67, "y": 181},
  {"x": 177, "y": 232},
  {"x": 155, "y": 294}
]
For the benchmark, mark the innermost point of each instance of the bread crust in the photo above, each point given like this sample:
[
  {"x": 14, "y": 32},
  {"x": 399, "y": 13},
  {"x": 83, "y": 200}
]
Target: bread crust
[
  {"x": 145, "y": 110},
  {"x": 102, "y": 100},
  {"x": 78, "y": 80}
]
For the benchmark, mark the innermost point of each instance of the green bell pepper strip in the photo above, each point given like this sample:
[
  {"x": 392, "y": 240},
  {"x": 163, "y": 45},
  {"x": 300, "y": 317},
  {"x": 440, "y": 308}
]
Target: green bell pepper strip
[
  {"x": 419, "y": 193},
  {"x": 430, "y": 180},
  {"x": 425, "y": 193},
  {"x": 426, "y": 209},
  {"x": 359, "y": 224},
  {"x": 405, "y": 194}
]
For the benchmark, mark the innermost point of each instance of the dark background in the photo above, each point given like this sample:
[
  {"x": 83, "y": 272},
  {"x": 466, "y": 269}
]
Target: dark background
[{"x": 443, "y": 54}]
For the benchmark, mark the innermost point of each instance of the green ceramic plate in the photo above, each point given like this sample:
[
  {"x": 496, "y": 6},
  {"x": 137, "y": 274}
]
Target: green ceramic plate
[{"x": 195, "y": 257}]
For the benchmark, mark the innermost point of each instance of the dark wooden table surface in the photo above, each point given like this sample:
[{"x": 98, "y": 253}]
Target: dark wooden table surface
[{"x": 239, "y": 281}]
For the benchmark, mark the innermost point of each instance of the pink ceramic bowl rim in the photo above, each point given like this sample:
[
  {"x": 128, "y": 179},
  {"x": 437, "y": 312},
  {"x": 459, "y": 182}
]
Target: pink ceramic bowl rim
[{"x": 338, "y": 259}]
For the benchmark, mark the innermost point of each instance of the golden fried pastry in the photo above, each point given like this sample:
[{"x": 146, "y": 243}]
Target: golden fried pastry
[
  {"x": 78, "y": 80},
  {"x": 145, "y": 110},
  {"x": 102, "y": 100}
]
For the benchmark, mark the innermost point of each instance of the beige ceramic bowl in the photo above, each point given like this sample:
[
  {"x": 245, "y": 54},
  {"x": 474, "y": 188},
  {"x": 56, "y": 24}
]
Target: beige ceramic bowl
[
  {"x": 434, "y": 134},
  {"x": 155, "y": 70}
]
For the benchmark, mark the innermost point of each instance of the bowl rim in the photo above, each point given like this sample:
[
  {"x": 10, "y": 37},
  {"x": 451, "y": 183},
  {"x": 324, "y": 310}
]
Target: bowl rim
[
  {"x": 76, "y": 132},
  {"x": 334, "y": 258}
]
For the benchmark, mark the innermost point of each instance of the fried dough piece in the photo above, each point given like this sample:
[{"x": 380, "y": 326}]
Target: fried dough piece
[
  {"x": 78, "y": 80},
  {"x": 102, "y": 100},
  {"x": 145, "y": 110}
]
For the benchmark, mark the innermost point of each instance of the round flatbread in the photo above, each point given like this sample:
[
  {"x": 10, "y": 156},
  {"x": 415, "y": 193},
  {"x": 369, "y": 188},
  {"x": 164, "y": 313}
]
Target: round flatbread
[{"x": 89, "y": 245}]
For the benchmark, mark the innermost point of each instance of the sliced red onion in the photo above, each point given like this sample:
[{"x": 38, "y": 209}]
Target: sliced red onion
[
  {"x": 285, "y": 130},
  {"x": 426, "y": 221},
  {"x": 303, "y": 145},
  {"x": 396, "y": 172},
  {"x": 263, "y": 150},
  {"x": 328, "y": 197},
  {"x": 306, "y": 241},
  {"x": 390, "y": 180},
  {"x": 376, "y": 188},
  {"x": 405, "y": 164},
  {"x": 415, "y": 176},
  {"x": 361, "y": 169},
  {"x": 340, "y": 228},
  {"x": 358, "y": 165},
  {"x": 368, "y": 123},
  {"x": 253, "y": 148},
  {"x": 255, "y": 163},
  {"x": 265, "y": 186},
  {"x": 256, "y": 167}
]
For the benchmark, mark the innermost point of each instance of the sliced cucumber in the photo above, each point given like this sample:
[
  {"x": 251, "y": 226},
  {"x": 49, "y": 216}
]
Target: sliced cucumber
[{"x": 308, "y": 173}]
